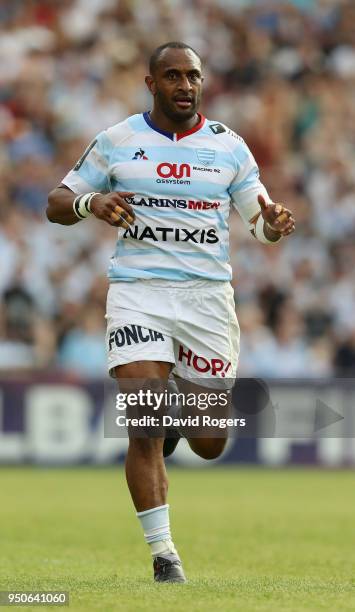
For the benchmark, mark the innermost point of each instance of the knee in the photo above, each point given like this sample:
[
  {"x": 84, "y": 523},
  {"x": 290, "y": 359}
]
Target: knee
[
  {"x": 146, "y": 446},
  {"x": 209, "y": 448},
  {"x": 215, "y": 449}
]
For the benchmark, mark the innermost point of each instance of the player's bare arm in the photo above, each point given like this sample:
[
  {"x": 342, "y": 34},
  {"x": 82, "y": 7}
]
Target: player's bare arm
[{"x": 110, "y": 207}]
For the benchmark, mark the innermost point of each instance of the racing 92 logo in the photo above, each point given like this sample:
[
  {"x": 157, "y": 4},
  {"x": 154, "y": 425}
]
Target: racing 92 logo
[{"x": 178, "y": 171}]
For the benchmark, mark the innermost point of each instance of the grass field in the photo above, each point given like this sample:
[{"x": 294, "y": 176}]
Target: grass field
[{"x": 250, "y": 539}]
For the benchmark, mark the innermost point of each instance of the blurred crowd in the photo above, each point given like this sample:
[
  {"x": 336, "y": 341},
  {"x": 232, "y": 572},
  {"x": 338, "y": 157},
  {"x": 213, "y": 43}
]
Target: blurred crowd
[{"x": 280, "y": 73}]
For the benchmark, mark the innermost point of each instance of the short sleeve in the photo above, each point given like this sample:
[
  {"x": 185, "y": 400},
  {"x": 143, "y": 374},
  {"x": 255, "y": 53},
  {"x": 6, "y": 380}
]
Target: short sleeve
[{"x": 91, "y": 172}]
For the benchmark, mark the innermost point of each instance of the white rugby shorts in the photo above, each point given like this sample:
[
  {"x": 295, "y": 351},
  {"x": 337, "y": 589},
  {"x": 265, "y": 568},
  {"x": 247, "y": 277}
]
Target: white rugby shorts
[{"x": 191, "y": 324}]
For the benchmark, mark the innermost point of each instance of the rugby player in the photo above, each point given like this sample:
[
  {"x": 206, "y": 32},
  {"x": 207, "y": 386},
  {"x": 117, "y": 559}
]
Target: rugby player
[{"x": 166, "y": 178}]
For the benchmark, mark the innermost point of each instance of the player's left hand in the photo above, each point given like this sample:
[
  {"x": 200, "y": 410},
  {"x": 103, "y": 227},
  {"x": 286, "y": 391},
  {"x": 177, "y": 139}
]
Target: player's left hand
[{"x": 279, "y": 218}]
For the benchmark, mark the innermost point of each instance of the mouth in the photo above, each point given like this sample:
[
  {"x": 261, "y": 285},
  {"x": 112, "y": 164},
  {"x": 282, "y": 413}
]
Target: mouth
[{"x": 183, "y": 102}]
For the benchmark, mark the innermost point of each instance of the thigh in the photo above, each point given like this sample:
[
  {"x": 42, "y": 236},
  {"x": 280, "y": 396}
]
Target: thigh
[
  {"x": 136, "y": 330},
  {"x": 140, "y": 349},
  {"x": 142, "y": 370},
  {"x": 206, "y": 345}
]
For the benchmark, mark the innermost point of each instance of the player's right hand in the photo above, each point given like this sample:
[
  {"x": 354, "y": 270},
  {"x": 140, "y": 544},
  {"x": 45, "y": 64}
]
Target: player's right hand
[{"x": 113, "y": 208}]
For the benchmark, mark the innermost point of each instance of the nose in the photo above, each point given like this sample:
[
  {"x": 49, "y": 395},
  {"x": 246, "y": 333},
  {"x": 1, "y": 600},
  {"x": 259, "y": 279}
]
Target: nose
[{"x": 184, "y": 84}]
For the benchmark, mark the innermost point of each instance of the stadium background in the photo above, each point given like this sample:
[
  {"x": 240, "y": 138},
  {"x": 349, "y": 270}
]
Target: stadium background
[{"x": 282, "y": 74}]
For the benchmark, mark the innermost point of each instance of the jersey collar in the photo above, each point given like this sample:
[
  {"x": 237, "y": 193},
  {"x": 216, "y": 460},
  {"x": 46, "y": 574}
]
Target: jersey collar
[{"x": 172, "y": 135}]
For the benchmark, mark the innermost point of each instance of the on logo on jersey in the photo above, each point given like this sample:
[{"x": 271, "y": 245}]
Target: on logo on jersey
[
  {"x": 178, "y": 171},
  {"x": 173, "y": 173}
]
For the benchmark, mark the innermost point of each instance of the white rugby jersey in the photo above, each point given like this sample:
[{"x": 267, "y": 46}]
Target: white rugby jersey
[{"x": 183, "y": 185}]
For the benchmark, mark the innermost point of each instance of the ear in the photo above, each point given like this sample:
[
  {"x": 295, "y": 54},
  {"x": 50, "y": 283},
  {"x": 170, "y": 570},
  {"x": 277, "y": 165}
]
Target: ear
[{"x": 150, "y": 83}]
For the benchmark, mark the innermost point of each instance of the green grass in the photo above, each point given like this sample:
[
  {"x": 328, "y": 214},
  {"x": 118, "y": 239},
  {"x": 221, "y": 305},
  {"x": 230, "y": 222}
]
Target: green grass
[{"x": 250, "y": 539}]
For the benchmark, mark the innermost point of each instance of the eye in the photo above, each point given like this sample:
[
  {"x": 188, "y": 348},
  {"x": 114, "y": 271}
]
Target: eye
[
  {"x": 194, "y": 77},
  {"x": 171, "y": 76}
]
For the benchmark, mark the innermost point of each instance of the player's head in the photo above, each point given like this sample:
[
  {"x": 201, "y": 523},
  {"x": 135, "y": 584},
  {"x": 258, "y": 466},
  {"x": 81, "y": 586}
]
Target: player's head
[{"x": 175, "y": 80}]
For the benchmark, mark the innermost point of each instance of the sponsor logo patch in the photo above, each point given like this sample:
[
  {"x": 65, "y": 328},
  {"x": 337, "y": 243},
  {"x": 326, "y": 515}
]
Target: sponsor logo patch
[
  {"x": 214, "y": 367},
  {"x": 140, "y": 154},
  {"x": 174, "y": 203},
  {"x": 133, "y": 334},
  {"x": 173, "y": 171},
  {"x": 217, "y": 128},
  {"x": 164, "y": 234},
  {"x": 231, "y": 133}
]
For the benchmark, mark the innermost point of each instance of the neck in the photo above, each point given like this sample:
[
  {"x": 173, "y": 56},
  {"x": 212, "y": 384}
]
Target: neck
[{"x": 168, "y": 125}]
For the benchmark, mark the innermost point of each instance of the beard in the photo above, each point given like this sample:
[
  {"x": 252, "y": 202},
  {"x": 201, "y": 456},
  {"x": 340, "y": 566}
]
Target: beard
[{"x": 175, "y": 114}]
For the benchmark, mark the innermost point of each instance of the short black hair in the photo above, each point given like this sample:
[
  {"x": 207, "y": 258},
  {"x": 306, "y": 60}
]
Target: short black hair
[{"x": 154, "y": 58}]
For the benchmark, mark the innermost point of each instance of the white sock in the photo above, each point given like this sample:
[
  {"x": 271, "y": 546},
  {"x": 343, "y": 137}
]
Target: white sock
[
  {"x": 162, "y": 547},
  {"x": 156, "y": 527}
]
